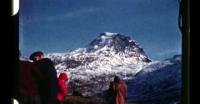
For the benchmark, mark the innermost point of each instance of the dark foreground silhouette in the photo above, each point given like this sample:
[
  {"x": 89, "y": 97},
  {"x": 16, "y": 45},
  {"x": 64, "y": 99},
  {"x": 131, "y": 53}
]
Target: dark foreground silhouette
[
  {"x": 81, "y": 100},
  {"x": 84, "y": 100}
]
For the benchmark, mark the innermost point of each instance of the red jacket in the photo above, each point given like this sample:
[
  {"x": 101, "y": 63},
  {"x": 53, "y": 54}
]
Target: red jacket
[
  {"x": 63, "y": 87},
  {"x": 121, "y": 92}
]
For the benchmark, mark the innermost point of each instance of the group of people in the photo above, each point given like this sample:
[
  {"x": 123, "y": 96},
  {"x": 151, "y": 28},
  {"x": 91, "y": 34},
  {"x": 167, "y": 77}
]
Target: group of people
[{"x": 38, "y": 83}]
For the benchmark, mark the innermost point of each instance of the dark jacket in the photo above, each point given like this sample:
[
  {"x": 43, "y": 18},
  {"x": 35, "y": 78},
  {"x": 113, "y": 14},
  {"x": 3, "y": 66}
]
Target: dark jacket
[
  {"x": 49, "y": 85},
  {"x": 29, "y": 77}
]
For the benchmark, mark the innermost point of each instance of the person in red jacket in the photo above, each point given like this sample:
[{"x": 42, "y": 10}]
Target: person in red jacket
[
  {"x": 63, "y": 89},
  {"x": 117, "y": 92}
]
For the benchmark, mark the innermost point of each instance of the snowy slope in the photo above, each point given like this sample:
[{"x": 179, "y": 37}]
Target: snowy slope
[{"x": 159, "y": 82}]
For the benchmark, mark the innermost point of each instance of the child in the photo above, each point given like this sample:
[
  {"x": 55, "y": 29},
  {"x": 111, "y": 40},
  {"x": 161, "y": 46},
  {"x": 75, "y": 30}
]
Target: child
[{"x": 63, "y": 88}]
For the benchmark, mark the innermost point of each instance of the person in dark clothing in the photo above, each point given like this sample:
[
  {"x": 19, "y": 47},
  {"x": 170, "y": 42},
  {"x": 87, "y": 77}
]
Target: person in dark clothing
[
  {"x": 49, "y": 85},
  {"x": 29, "y": 77},
  {"x": 110, "y": 95}
]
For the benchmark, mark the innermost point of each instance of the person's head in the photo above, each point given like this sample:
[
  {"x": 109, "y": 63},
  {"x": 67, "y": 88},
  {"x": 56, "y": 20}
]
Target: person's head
[
  {"x": 36, "y": 56},
  {"x": 63, "y": 76},
  {"x": 116, "y": 79}
]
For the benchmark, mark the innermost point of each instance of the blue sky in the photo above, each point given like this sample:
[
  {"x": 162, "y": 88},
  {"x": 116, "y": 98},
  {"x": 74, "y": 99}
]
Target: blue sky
[{"x": 64, "y": 25}]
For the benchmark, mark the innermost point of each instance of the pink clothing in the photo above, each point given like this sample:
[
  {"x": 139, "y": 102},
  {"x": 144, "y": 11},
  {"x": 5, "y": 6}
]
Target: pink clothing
[
  {"x": 63, "y": 88},
  {"x": 121, "y": 92}
]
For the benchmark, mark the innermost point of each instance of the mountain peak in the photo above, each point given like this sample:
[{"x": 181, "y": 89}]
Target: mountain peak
[
  {"x": 115, "y": 40},
  {"x": 117, "y": 43},
  {"x": 108, "y": 34}
]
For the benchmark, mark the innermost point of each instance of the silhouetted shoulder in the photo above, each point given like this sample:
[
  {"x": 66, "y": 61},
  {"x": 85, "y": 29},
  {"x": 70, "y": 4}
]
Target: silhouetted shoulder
[
  {"x": 25, "y": 62},
  {"x": 46, "y": 61}
]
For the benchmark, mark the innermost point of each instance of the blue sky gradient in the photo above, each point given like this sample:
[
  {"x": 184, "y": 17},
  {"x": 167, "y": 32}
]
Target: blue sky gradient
[{"x": 64, "y": 25}]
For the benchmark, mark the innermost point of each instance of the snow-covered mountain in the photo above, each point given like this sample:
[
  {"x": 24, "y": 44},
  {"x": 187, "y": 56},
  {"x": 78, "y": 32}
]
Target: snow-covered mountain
[
  {"x": 107, "y": 55},
  {"x": 103, "y": 55},
  {"x": 91, "y": 68}
]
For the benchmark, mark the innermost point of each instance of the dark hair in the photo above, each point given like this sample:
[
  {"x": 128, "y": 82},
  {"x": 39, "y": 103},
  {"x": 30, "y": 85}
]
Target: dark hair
[
  {"x": 116, "y": 79},
  {"x": 37, "y": 53}
]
